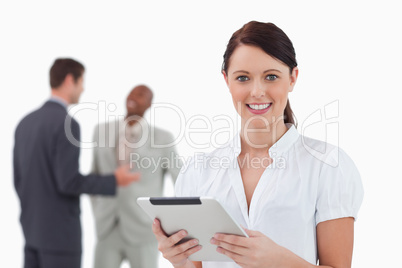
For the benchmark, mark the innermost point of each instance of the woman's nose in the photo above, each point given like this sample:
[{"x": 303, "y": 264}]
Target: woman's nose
[{"x": 257, "y": 90}]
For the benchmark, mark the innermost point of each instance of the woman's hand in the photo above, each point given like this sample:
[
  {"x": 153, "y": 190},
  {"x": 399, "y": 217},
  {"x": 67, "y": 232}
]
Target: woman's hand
[
  {"x": 255, "y": 251},
  {"x": 176, "y": 254}
]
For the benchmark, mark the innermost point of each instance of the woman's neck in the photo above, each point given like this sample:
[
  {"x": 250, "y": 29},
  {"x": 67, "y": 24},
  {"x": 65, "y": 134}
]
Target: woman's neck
[{"x": 258, "y": 141}]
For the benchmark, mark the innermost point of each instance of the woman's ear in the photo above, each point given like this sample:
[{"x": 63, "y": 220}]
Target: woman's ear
[
  {"x": 225, "y": 77},
  {"x": 293, "y": 78}
]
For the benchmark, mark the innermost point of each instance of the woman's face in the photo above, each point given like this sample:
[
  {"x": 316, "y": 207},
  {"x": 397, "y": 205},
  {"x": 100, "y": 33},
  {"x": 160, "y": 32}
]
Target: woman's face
[{"x": 259, "y": 85}]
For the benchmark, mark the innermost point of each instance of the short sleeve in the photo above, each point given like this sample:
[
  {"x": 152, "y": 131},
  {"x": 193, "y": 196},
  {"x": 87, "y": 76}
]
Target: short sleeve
[
  {"x": 188, "y": 179},
  {"x": 340, "y": 190}
]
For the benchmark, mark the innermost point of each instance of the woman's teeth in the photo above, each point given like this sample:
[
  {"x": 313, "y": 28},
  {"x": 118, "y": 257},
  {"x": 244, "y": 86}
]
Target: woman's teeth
[{"x": 259, "y": 106}]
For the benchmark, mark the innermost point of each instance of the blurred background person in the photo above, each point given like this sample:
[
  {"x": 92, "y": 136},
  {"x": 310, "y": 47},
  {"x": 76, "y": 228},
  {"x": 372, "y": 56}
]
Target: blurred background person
[
  {"x": 47, "y": 177},
  {"x": 123, "y": 229}
]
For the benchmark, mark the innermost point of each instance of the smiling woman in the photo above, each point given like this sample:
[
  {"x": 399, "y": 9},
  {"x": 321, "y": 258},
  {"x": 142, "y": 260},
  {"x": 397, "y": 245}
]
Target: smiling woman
[
  {"x": 259, "y": 84},
  {"x": 275, "y": 43},
  {"x": 298, "y": 213}
]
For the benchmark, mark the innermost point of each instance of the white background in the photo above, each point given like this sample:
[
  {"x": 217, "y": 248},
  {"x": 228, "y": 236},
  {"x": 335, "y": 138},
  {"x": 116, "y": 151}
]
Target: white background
[{"x": 348, "y": 51}]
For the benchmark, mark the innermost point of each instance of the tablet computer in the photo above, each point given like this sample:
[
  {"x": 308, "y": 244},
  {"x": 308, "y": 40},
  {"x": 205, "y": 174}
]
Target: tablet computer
[{"x": 201, "y": 217}]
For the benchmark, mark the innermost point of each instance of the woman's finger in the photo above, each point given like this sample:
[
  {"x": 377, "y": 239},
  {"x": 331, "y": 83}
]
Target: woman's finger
[
  {"x": 182, "y": 250},
  {"x": 232, "y": 239},
  {"x": 157, "y": 230},
  {"x": 239, "y": 259},
  {"x": 176, "y": 237},
  {"x": 237, "y": 249}
]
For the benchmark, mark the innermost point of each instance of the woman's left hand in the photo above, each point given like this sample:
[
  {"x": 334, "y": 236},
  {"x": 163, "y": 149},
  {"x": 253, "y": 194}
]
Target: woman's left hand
[{"x": 257, "y": 250}]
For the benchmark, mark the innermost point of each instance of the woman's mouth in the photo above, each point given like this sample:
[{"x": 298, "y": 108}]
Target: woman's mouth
[{"x": 258, "y": 108}]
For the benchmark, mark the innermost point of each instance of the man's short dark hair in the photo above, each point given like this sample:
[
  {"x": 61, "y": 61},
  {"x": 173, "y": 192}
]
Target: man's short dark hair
[{"x": 61, "y": 68}]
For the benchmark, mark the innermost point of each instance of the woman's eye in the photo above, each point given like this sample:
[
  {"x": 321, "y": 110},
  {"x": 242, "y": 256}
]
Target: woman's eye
[
  {"x": 242, "y": 78},
  {"x": 271, "y": 77}
]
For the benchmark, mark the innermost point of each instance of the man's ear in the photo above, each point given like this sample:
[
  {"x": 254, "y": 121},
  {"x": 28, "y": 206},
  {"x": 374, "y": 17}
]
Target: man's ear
[
  {"x": 293, "y": 78},
  {"x": 69, "y": 80},
  {"x": 225, "y": 77}
]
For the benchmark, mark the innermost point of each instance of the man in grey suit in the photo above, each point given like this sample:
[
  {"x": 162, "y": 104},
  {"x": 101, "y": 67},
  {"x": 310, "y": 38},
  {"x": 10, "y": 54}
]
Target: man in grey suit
[
  {"x": 123, "y": 230},
  {"x": 47, "y": 177}
]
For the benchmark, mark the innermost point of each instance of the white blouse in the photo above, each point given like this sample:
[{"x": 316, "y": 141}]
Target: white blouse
[{"x": 309, "y": 181}]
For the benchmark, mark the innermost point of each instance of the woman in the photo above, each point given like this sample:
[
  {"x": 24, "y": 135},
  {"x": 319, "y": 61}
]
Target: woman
[{"x": 298, "y": 206}]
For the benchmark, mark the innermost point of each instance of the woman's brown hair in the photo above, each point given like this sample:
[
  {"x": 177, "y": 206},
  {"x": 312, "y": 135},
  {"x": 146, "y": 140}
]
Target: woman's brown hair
[{"x": 273, "y": 41}]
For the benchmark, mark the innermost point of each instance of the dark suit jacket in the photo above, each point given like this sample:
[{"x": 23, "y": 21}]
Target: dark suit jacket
[{"x": 48, "y": 181}]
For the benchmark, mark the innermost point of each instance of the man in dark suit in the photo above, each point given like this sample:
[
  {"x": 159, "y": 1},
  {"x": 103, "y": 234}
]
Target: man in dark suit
[{"x": 47, "y": 177}]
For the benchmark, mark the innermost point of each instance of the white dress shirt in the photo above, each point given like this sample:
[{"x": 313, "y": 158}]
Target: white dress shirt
[
  {"x": 308, "y": 182},
  {"x": 131, "y": 138}
]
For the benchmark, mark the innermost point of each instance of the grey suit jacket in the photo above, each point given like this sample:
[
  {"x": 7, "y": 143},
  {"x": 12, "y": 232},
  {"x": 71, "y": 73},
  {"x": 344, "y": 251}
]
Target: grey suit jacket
[{"x": 153, "y": 163}]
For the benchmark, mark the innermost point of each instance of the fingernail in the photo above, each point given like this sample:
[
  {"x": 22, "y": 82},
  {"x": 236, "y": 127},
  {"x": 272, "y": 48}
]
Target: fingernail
[
  {"x": 213, "y": 241},
  {"x": 183, "y": 233},
  {"x": 195, "y": 242}
]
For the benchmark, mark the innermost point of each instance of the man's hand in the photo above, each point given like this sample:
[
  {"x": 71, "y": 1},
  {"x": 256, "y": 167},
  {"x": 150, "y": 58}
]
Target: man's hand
[{"x": 125, "y": 177}]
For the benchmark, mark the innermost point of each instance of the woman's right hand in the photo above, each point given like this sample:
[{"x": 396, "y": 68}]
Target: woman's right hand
[{"x": 176, "y": 254}]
